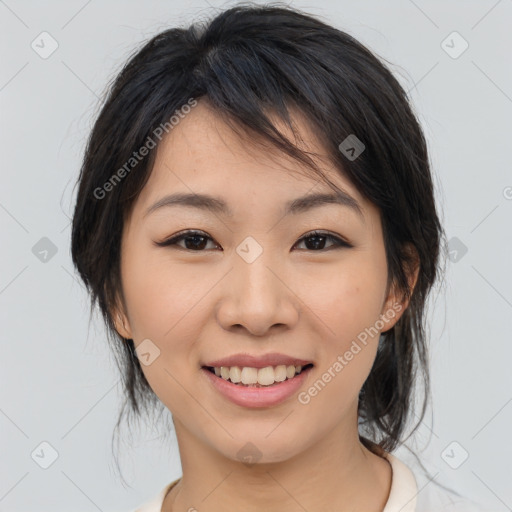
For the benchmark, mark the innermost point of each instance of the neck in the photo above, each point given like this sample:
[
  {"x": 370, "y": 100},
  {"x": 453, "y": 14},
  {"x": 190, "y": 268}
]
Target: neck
[{"x": 336, "y": 473}]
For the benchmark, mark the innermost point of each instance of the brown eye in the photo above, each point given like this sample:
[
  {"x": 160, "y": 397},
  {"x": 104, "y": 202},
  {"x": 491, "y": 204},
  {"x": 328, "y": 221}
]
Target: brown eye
[
  {"x": 316, "y": 241},
  {"x": 193, "y": 241},
  {"x": 197, "y": 241}
]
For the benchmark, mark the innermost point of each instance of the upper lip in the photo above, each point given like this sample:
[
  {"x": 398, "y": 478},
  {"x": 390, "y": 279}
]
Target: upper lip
[{"x": 273, "y": 359}]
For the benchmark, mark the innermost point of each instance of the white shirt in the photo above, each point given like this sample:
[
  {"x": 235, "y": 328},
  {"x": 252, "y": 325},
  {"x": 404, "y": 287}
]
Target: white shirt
[{"x": 404, "y": 495}]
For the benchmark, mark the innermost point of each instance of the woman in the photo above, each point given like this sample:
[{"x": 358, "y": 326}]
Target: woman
[{"x": 256, "y": 221}]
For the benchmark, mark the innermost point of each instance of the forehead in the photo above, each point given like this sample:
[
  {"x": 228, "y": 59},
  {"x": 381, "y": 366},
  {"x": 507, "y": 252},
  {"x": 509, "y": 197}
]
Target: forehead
[{"x": 203, "y": 154}]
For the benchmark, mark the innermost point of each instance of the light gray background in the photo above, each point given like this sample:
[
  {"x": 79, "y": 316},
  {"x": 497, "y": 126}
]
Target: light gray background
[{"x": 59, "y": 382}]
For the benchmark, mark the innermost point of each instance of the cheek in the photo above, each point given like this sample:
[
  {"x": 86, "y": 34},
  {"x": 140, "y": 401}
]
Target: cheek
[
  {"x": 348, "y": 304},
  {"x": 348, "y": 297},
  {"x": 163, "y": 296},
  {"x": 164, "y": 306}
]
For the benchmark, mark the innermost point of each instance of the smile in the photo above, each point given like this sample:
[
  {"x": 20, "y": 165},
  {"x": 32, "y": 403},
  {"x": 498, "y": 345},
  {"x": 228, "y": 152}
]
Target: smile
[
  {"x": 258, "y": 377},
  {"x": 252, "y": 393}
]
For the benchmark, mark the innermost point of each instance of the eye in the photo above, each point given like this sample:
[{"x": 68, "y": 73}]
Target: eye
[
  {"x": 197, "y": 241},
  {"x": 318, "y": 239},
  {"x": 194, "y": 240}
]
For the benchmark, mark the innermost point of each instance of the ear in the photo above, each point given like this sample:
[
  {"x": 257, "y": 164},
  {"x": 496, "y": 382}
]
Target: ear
[
  {"x": 121, "y": 322},
  {"x": 396, "y": 302}
]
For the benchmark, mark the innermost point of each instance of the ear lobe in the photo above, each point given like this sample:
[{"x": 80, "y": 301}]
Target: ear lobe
[
  {"x": 122, "y": 324},
  {"x": 392, "y": 310}
]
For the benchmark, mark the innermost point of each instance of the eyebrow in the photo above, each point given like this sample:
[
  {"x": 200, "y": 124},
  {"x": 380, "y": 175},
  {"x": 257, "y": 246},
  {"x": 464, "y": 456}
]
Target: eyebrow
[{"x": 296, "y": 206}]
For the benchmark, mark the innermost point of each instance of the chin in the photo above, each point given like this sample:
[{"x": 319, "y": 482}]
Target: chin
[{"x": 261, "y": 448}]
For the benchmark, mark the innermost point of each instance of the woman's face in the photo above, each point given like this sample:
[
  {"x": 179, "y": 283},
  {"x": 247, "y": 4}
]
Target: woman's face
[{"x": 256, "y": 284}]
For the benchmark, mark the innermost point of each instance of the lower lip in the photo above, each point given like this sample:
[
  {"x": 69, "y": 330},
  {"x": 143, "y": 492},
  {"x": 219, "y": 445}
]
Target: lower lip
[{"x": 247, "y": 396}]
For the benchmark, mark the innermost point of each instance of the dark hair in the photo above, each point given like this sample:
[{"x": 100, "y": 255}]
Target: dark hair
[{"x": 250, "y": 62}]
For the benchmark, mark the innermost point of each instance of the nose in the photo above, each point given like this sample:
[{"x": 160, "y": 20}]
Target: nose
[{"x": 257, "y": 298}]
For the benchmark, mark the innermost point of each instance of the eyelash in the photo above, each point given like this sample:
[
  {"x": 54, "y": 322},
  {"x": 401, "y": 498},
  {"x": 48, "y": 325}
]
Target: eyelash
[{"x": 339, "y": 243}]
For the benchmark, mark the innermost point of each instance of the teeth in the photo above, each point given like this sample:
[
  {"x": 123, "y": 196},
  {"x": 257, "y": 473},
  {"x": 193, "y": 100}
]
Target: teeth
[
  {"x": 249, "y": 375},
  {"x": 266, "y": 376},
  {"x": 235, "y": 374},
  {"x": 257, "y": 376},
  {"x": 280, "y": 373}
]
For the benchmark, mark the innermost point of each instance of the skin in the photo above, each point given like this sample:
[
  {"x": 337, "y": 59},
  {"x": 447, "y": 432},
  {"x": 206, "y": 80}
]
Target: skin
[{"x": 294, "y": 299}]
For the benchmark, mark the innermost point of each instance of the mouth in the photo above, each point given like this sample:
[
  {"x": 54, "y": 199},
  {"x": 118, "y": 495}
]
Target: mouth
[{"x": 250, "y": 377}]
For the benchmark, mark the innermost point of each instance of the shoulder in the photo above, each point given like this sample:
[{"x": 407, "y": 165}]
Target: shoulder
[
  {"x": 426, "y": 494},
  {"x": 404, "y": 488},
  {"x": 155, "y": 504}
]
